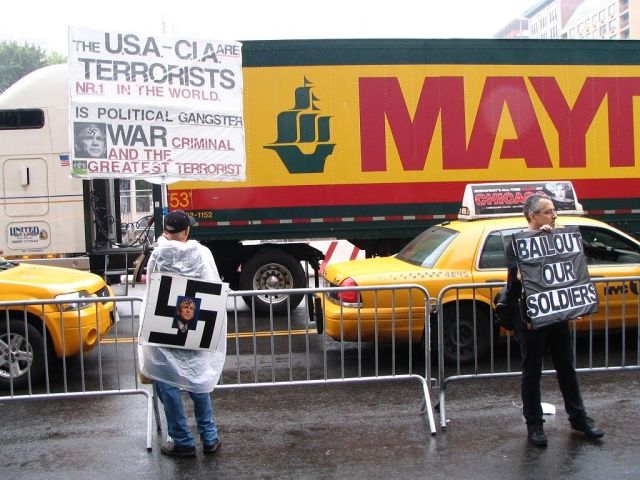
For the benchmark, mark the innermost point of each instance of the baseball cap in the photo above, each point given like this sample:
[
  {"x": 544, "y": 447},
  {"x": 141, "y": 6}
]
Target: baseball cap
[{"x": 177, "y": 221}]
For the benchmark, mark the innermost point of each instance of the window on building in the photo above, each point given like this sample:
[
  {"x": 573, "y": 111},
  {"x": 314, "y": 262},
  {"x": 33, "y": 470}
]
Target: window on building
[
  {"x": 603, "y": 30},
  {"x": 612, "y": 10},
  {"x": 601, "y": 16},
  {"x": 612, "y": 26}
]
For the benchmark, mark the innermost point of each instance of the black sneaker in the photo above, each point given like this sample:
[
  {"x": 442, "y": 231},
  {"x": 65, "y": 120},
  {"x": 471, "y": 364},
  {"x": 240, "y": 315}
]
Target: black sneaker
[
  {"x": 173, "y": 450},
  {"x": 212, "y": 447},
  {"x": 536, "y": 436},
  {"x": 587, "y": 426}
]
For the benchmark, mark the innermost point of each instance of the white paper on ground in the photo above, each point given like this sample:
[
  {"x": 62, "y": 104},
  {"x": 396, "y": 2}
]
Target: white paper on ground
[{"x": 548, "y": 408}]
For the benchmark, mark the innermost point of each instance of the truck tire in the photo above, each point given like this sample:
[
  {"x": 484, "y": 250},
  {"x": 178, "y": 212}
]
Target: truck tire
[
  {"x": 17, "y": 355},
  {"x": 272, "y": 270}
]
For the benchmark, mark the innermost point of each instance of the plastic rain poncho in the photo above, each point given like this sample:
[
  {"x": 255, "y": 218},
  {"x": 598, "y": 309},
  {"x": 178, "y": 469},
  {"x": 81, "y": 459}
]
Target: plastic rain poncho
[{"x": 192, "y": 370}]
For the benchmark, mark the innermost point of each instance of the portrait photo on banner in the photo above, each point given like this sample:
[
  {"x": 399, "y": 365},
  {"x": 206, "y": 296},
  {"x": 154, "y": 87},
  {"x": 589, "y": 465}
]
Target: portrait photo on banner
[
  {"x": 90, "y": 140},
  {"x": 183, "y": 312}
]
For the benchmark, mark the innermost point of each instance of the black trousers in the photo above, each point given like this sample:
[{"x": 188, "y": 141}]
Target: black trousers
[{"x": 557, "y": 338}]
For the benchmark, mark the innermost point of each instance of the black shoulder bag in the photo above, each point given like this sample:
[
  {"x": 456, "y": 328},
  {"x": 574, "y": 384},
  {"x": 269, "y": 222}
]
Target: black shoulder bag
[{"x": 504, "y": 310}]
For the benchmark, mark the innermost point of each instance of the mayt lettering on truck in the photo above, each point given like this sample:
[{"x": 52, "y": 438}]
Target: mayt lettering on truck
[{"x": 444, "y": 102}]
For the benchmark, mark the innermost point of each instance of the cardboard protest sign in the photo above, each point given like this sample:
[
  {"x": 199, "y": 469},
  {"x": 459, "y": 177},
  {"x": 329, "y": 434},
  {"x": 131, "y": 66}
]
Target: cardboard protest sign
[
  {"x": 183, "y": 312},
  {"x": 155, "y": 106},
  {"x": 555, "y": 278}
]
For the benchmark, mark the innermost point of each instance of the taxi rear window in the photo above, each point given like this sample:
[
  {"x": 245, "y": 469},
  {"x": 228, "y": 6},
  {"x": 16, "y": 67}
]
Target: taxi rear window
[
  {"x": 426, "y": 248},
  {"x": 492, "y": 253}
]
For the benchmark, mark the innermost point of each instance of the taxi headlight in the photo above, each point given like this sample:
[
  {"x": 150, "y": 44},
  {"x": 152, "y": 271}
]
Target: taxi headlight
[{"x": 74, "y": 303}]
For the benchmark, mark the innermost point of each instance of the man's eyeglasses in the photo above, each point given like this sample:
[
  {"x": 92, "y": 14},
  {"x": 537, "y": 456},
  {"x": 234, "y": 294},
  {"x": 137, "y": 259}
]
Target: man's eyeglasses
[{"x": 551, "y": 211}]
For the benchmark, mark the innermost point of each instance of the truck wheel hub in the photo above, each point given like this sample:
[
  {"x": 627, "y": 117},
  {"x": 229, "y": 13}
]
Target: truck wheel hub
[{"x": 272, "y": 282}]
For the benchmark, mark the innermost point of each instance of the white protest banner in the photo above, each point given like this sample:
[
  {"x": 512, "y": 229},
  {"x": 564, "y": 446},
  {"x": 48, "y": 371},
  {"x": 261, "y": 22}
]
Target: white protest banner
[
  {"x": 555, "y": 277},
  {"x": 156, "y": 106},
  {"x": 183, "y": 312}
]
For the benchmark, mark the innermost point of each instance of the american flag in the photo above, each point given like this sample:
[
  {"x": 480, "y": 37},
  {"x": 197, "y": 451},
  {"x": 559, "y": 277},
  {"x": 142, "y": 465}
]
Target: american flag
[{"x": 64, "y": 160}]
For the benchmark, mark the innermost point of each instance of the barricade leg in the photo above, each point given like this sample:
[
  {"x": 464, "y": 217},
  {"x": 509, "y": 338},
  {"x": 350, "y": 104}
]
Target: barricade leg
[
  {"x": 426, "y": 405},
  {"x": 441, "y": 403},
  {"x": 156, "y": 409},
  {"x": 150, "y": 405}
]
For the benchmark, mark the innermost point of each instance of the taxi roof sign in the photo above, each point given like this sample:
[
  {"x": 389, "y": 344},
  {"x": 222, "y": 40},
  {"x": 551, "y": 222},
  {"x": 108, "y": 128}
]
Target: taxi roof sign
[{"x": 490, "y": 200}]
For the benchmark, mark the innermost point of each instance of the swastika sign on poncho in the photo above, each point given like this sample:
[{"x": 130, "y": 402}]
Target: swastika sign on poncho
[
  {"x": 556, "y": 282},
  {"x": 183, "y": 312}
]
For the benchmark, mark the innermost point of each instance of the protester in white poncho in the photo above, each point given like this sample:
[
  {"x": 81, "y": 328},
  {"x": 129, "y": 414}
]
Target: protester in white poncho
[{"x": 173, "y": 369}]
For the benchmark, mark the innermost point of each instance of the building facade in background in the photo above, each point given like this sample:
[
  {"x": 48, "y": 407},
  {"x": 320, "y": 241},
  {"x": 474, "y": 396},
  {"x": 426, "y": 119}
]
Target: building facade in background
[
  {"x": 548, "y": 18},
  {"x": 605, "y": 19},
  {"x": 577, "y": 19}
]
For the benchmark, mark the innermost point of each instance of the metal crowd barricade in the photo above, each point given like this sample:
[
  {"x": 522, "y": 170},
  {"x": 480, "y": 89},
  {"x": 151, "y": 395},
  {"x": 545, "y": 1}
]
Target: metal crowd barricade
[
  {"x": 89, "y": 373},
  {"x": 592, "y": 337},
  {"x": 280, "y": 353},
  {"x": 268, "y": 350}
]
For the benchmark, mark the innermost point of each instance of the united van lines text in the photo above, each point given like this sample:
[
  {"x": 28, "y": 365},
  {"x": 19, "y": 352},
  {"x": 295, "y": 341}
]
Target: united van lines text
[{"x": 443, "y": 99}]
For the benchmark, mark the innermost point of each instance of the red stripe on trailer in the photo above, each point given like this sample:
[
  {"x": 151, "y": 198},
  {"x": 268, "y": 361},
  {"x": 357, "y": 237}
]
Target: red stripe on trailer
[{"x": 619, "y": 211}]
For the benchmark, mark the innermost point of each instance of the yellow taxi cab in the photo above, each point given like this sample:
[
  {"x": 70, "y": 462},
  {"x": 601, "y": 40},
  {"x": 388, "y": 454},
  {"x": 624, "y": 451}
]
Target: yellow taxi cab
[
  {"x": 28, "y": 333},
  {"x": 470, "y": 250}
]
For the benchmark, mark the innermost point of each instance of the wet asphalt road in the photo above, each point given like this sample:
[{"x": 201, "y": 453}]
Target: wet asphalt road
[{"x": 363, "y": 431}]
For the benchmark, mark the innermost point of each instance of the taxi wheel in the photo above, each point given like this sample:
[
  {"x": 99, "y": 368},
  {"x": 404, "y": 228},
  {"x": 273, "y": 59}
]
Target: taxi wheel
[
  {"x": 21, "y": 353},
  {"x": 458, "y": 338}
]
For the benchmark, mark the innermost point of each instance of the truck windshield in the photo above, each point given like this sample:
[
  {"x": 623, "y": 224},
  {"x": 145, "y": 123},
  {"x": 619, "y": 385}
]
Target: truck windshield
[{"x": 426, "y": 248}]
